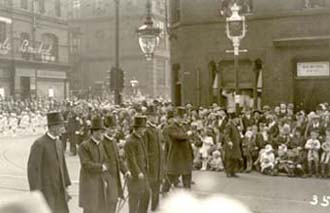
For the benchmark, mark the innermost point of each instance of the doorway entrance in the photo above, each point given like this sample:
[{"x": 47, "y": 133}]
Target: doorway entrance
[{"x": 25, "y": 87}]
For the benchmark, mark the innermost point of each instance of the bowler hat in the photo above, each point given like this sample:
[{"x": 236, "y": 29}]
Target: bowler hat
[
  {"x": 54, "y": 118},
  {"x": 140, "y": 121},
  {"x": 97, "y": 123}
]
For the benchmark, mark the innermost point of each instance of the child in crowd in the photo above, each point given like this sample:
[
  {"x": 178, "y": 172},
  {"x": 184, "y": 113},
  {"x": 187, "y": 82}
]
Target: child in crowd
[
  {"x": 216, "y": 163},
  {"x": 283, "y": 164},
  {"x": 267, "y": 160},
  {"x": 325, "y": 157},
  {"x": 297, "y": 139},
  {"x": 247, "y": 147},
  {"x": 207, "y": 144},
  {"x": 313, "y": 146}
]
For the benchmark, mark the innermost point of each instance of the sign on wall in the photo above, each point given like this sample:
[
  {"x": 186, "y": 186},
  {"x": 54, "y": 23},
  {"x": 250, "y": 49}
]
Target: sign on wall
[{"x": 313, "y": 69}]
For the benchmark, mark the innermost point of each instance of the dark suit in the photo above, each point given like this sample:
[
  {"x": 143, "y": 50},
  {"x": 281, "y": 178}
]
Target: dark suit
[
  {"x": 233, "y": 154},
  {"x": 96, "y": 194},
  {"x": 47, "y": 172},
  {"x": 178, "y": 156},
  {"x": 155, "y": 159},
  {"x": 137, "y": 162}
]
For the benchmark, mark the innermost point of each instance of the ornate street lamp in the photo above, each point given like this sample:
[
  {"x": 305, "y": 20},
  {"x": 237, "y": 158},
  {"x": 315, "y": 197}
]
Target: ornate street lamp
[
  {"x": 236, "y": 30},
  {"x": 148, "y": 35}
]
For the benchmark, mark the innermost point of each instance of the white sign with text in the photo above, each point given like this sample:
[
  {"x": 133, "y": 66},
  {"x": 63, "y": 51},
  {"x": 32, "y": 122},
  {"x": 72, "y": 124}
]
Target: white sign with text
[{"x": 313, "y": 69}]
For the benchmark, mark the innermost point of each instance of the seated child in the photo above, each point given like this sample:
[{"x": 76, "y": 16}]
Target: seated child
[
  {"x": 267, "y": 160},
  {"x": 313, "y": 146},
  {"x": 283, "y": 164},
  {"x": 216, "y": 163}
]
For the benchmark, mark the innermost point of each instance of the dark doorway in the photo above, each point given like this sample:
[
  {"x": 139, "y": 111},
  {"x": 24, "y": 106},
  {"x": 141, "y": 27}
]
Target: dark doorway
[
  {"x": 308, "y": 93},
  {"x": 25, "y": 87},
  {"x": 177, "y": 93}
]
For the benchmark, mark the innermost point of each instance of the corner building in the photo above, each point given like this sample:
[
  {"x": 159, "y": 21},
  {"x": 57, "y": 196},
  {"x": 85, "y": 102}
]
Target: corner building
[
  {"x": 290, "y": 38},
  {"x": 34, "y": 49}
]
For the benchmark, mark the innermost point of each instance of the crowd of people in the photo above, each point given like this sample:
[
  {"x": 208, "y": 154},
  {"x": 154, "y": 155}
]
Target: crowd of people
[{"x": 176, "y": 140}]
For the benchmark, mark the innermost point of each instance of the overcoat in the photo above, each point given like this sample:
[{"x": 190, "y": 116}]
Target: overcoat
[
  {"x": 155, "y": 153},
  {"x": 137, "y": 162},
  {"x": 47, "y": 172},
  {"x": 96, "y": 185},
  {"x": 232, "y": 134},
  {"x": 179, "y": 154}
]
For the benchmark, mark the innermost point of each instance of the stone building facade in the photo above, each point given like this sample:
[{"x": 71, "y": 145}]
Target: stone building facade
[
  {"x": 287, "y": 59},
  {"x": 34, "y": 49},
  {"x": 92, "y": 24}
]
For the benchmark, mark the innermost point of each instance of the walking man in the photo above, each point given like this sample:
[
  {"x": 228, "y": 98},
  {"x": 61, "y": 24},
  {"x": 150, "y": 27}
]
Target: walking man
[
  {"x": 137, "y": 163},
  {"x": 47, "y": 170}
]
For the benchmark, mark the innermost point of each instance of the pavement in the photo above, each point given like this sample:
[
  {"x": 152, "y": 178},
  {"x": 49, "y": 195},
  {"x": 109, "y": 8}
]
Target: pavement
[{"x": 262, "y": 194}]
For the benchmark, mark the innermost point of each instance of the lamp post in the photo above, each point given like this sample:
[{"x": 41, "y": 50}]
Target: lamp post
[
  {"x": 236, "y": 30},
  {"x": 148, "y": 35}
]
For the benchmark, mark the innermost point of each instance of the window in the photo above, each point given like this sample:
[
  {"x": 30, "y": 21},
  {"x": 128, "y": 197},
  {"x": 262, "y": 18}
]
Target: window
[
  {"x": 42, "y": 6},
  {"x": 50, "y": 47},
  {"x": 3, "y": 33},
  {"x": 58, "y": 8},
  {"x": 24, "y": 4},
  {"x": 314, "y": 3},
  {"x": 25, "y": 36},
  {"x": 177, "y": 10}
]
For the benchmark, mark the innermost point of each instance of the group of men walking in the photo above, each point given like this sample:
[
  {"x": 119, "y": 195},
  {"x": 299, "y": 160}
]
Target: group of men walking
[{"x": 153, "y": 158}]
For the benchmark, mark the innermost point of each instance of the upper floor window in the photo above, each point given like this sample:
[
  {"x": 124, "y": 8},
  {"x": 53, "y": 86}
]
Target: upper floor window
[
  {"x": 50, "y": 44},
  {"x": 3, "y": 32},
  {"x": 314, "y": 3},
  {"x": 176, "y": 10},
  {"x": 24, "y": 4},
  {"x": 58, "y": 8},
  {"x": 246, "y": 6}
]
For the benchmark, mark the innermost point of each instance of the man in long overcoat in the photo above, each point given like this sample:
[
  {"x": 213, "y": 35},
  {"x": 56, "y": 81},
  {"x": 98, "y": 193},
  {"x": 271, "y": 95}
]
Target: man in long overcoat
[
  {"x": 116, "y": 164},
  {"x": 155, "y": 156},
  {"x": 96, "y": 194},
  {"x": 47, "y": 170},
  {"x": 137, "y": 163},
  {"x": 178, "y": 153},
  {"x": 232, "y": 146}
]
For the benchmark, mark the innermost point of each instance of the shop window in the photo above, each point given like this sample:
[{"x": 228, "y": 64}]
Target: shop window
[
  {"x": 3, "y": 33},
  {"x": 314, "y": 3},
  {"x": 58, "y": 8},
  {"x": 24, "y": 4},
  {"x": 25, "y": 36}
]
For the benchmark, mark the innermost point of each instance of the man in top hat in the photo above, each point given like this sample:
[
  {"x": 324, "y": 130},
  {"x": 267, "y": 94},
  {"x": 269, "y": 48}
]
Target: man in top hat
[
  {"x": 116, "y": 164},
  {"x": 155, "y": 155},
  {"x": 96, "y": 181},
  {"x": 178, "y": 154},
  {"x": 232, "y": 146},
  {"x": 137, "y": 163},
  {"x": 47, "y": 170}
]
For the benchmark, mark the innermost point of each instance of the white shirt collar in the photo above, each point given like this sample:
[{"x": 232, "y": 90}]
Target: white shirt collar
[
  {"x": 52, "y": 136},
  {"x": 97, "y": 142}
]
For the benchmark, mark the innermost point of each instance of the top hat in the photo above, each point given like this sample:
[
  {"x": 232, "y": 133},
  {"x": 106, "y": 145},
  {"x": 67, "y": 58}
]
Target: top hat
[
  {"x": 140, "y": 121},
  {"x": 256, "y": 111},
  {"x": 109, "y": 121},
  {"x": 97, "y": 123},
  {"x": 54, "y": 118}
]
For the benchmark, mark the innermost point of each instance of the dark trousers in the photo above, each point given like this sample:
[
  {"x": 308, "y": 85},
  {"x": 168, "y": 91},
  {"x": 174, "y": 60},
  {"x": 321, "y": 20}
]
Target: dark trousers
[
  {"x": 138, "y": 196},
  {"x": 232, "y": 165},
  {"x": 171, "y": 179},
  {"x": 64, "y": 138},
  {"x": 73, "y": 143},
  {"x": 155, "y": 188},
  {"x": 109, "y": 209}
]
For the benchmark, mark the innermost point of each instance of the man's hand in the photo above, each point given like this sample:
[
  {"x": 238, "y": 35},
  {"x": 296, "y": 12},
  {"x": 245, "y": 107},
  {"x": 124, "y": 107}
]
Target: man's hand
[
  {"x": 104, "y": 168},
  {"x": 128, "y": 174},
  {"x": 141, "y": 176}
]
